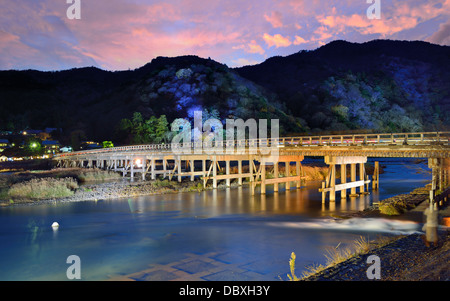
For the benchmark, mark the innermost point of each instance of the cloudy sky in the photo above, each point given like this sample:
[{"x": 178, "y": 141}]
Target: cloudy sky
[{"x": 126, "y": 34}]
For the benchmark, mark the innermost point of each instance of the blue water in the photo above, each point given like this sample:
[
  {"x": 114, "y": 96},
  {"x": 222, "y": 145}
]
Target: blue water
[{"x": 123, "y": 236}]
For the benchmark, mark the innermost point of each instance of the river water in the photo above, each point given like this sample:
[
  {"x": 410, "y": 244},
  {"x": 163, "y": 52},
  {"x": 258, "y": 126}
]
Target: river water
[{"x": 252, "y": 234}]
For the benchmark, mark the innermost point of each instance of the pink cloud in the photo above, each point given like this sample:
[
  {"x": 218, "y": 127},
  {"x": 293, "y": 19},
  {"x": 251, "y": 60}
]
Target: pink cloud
[
  {"x": 395, "y": 18},
  {"x": 299, "y": 40},
  {"x": 255, "y": 48},
  {"x": 122, "y": 34},
  {"x": 251, "y": 47},
  {"x": 321, "y": 34},
  {"x": 275, "y": 19},
  {"x": 276, "y": 40}
]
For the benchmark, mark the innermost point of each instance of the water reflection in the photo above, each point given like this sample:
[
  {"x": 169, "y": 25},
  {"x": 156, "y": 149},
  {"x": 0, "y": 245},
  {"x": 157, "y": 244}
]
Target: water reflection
[
  {"x": 125, "y": 235},
  {"x": 235, "y": 201}
]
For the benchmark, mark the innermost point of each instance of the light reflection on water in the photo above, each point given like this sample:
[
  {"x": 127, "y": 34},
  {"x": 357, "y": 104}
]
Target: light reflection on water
[{"x": 123, "y": 236}]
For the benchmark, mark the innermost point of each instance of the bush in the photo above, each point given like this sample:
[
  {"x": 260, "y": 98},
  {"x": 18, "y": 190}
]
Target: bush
[
  {"x": 389, "y": 209},
  {"x": 39, "y": 189}
]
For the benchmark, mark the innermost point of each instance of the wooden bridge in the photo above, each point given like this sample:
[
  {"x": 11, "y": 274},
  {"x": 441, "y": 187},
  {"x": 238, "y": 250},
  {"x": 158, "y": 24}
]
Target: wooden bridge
[{"x": 212, "y": 161}]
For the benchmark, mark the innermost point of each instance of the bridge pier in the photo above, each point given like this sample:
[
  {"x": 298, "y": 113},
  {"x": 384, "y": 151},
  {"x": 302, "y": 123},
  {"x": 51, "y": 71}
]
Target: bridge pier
[
  {"x": 439, "y": 175},
  {"x": 376, "y": 176},
  {"x": 344, "y": 180},
  {"x": 330, "y": 185}
]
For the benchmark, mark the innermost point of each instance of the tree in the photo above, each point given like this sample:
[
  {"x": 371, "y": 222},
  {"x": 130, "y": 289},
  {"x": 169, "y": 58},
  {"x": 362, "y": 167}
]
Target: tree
[
  {"x": 141, "y": 131},
  {"x": 33, "y": 147},
  {"x": 161, "y": 130},
  {"x": 107, "y": 144}
]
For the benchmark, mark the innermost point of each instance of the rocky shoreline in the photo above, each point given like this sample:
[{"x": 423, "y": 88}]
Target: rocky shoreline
[{"x": 406, "y": 258}]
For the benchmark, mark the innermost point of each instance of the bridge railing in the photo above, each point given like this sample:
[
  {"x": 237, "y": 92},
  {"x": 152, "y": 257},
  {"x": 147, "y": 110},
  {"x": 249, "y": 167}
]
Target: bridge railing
[{"x": 420, "y": 138}]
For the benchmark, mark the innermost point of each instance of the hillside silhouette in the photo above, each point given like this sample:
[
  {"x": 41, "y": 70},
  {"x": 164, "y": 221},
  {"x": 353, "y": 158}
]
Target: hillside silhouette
[{"x": 379, "y": 86}]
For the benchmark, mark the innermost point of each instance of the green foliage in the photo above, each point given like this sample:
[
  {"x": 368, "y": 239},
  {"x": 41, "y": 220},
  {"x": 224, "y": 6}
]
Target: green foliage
[
  {"x": 292, "y": 276},
  {"x": 340, "y": 111},
  {"x": 26, "y": 148},
  {"x": 107, "y": 144},
  {"x": 141, "y": 131}
]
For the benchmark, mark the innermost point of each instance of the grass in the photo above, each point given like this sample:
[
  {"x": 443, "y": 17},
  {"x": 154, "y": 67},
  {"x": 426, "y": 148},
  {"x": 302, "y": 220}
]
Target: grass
[
  {"x": 44, "y": 188},
  {"x": 161, "y": 183},
  {"x": 336, "y": 255},
  {"x": 92, "y": 175},
  {"x": 80, "y": 174}
]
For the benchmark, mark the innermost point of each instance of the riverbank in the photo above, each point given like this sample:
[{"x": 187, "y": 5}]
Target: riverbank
[
  {"x": 405, "y": 258},
  {"x": 95, "y": 189},
  {"x": 97, "y": 184}
]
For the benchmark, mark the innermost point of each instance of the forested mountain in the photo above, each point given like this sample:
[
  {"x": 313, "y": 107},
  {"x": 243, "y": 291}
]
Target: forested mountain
[
  {"x": 379, "y": 86},
  {"x": 382, "y": 85}
]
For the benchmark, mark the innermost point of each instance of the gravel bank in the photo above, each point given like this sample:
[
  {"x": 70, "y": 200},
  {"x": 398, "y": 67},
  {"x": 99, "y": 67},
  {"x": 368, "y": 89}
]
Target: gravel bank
[
  {"x": 121, "y": 188},
  {"x": 406, "y": 259}
]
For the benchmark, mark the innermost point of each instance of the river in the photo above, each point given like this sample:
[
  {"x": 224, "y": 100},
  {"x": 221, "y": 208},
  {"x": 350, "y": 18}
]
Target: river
[{"x": 213, "y": 235}]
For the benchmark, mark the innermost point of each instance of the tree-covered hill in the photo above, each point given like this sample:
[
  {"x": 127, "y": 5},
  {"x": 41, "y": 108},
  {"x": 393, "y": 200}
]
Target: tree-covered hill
[
  {"x": 379, "y": 86},
  {"x": 89, "y": 102}
]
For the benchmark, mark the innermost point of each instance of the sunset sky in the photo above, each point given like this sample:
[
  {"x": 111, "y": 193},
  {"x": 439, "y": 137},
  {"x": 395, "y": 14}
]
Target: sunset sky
[{"x": 127, "y": 34}]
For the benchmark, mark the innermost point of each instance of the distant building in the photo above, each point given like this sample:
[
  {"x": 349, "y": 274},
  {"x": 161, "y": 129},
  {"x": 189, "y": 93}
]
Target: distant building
[
  {"x": 90, "y": 145},
  {"x": 4, "y": 143},
  {"x": 31, "y": 132},
  {"x": 51, "y": 146},
  {"x": 50, "y": 130},
  {"x": 66, "y": 149}
]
